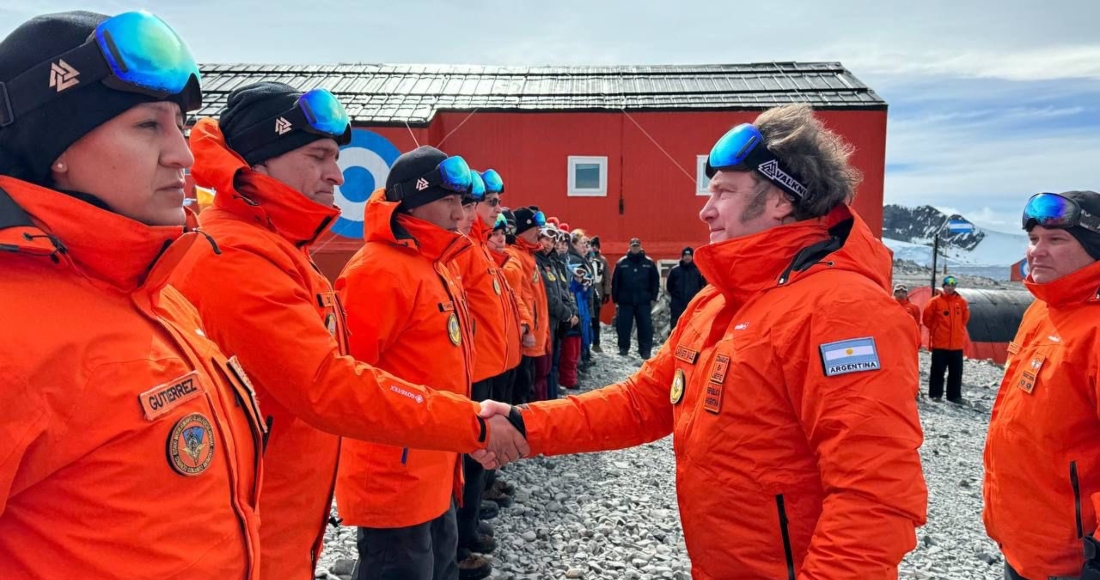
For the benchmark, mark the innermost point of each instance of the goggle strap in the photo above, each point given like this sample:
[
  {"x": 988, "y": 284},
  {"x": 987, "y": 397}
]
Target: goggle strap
[{"x": 32, "y": 89}]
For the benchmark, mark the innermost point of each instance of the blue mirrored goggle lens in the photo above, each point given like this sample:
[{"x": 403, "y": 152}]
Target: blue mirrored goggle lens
[
  {"x": 477, "y": 186},
  {"x": 324, "y": 113},
  {"x": 493, "y": 182},
  {"x": 143, "y": 51},
  {"x": 733, "y": 147},
  {"x": 455, "y": 174},
  {"x": 502, "y": 222},
  {"x": 950, "y": 281},
  {"x": 540, "y": 219},
  {"x": 1051, "y": 210}
]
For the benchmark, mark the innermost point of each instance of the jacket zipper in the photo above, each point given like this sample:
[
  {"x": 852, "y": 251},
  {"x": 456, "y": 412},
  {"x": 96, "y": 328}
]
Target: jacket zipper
[
  {"x": 786, "y": 536},
  {"x": 1076, "y": 497}
]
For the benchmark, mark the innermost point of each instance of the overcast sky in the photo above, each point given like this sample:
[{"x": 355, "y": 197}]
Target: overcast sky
[{"x": 990, "y": 101}]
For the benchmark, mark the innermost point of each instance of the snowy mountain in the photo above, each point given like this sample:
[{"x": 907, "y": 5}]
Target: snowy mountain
[{"x": 909, "y": 233}]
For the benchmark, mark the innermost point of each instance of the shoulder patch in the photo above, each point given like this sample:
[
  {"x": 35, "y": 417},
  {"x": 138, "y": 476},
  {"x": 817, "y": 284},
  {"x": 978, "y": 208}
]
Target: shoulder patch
[{"x": 849, "y": 356}]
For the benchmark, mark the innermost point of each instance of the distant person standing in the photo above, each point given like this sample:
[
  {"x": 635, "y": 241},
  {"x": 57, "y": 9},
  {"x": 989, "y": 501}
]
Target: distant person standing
[
  {"x": 901, "y": 294},
  {"x": 946, "y": 316},
  {"x": 601, "y": 283},
  {"x": 1042, "y": 469},
  {"x": 684, "y": 282},
  {"x": 634, "y": 288}
]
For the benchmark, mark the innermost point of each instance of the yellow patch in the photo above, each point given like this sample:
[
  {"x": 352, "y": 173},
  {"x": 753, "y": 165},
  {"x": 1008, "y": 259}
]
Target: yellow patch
[
  {"x": 454, "y": 331},
  {"x": 496, "y": 286},
  {"x": 676, "y": 393}
]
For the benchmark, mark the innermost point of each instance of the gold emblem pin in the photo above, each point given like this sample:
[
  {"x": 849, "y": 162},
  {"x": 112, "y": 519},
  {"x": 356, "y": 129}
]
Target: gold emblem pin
[
  {"x": 453, "y": 330},
  {"x": 677, "y": 391}
]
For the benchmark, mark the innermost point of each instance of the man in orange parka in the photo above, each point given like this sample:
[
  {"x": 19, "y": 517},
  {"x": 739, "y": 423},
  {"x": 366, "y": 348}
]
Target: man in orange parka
[
  {"x": 796, "y": 450},
  {"x": 265, "y": 301},
  {"x": 407, "y": 314},
  {"x": 523, "y": 275},
  {"x": 1042, "y": 454},
  {"x": 946, "y": 316},
  {"x": 901, "y": 294},
  {"x": 495, "y": 317}
]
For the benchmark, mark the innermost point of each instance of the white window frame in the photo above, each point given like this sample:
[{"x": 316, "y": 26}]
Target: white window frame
[
  {"x": 573, "y": 190},
  {"x": 701, "y": 173}
]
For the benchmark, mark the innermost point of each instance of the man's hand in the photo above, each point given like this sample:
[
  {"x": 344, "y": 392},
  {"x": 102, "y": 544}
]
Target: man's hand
[
  {"x": 506, "y": 444},
  {"x": 573, "y": 321},
  {"x": 529, "y": 340}
]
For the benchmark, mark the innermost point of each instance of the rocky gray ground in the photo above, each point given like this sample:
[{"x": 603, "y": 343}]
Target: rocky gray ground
[{"x": 614, "y": 515}]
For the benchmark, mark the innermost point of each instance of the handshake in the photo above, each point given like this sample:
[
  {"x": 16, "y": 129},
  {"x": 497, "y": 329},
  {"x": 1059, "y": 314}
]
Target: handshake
[{"x": 507, "y": 435}]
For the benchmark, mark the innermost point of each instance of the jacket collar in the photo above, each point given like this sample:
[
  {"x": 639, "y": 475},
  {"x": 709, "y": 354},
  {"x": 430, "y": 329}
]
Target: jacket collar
[
  {"x": 528, "y": 247},
  {"x": 744, "y": 266},
  {"x": 1072, "y": 289},
  {"x": 384, "y": 224},
  {"x": 106, "y": 246},
  {"x": 252, "y": 196}
]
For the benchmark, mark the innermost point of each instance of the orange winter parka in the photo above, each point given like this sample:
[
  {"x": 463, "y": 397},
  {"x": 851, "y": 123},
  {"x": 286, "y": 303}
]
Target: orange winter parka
[
  {"x": 946, "y": 317},
  {"x": 1042, "y": 460},
  {"x": 492, "y": 307},
  {"x": 796, "y": 451},
  {"x": 265, "y": 301},
  {"x": 406, "y": 315},
  {"x": 129, "y": 445},
  {"x": 522, "y": 273}
]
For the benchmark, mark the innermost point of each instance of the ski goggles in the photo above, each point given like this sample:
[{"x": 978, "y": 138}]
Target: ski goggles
[
  {"x": 317, "y": 111},
  {"x": 134, "y": 52},
  {"x": 477, "y": 189},
  {"x": 950, "y": 281},
  {"x": 452, "y": 174},
  {"x": 493, "y": 182},
  {"x": 1052, "y": 210},
  {"x": 501, "y": 223},
  {"x": 742, "y": 149}
]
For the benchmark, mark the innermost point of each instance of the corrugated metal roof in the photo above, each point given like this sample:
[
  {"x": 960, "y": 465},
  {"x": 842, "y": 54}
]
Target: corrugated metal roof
[{"x": 414, "y": 93}]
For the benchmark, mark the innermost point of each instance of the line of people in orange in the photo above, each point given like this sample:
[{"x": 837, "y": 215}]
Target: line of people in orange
[{"x": 182, "y": 398}]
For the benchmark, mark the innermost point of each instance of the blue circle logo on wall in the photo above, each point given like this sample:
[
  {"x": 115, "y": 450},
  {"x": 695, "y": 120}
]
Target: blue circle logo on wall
[
  {"x": 366, "y": 163},
  {"x": 1025, "y": 269}
]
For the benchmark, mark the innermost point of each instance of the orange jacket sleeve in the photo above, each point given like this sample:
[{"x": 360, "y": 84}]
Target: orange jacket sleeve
[
  {"x": 514, "y": 274},
  {"x": 260, "y": 313},
  {"x": 626, "y": 414},
  {"x": 865, "y": 433}
]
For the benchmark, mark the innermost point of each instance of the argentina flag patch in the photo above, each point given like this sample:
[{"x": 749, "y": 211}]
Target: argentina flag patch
[{"x": 850, "y": 356}]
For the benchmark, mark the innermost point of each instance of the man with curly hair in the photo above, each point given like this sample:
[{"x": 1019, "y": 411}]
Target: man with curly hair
[{"x": 796, "y": 450}]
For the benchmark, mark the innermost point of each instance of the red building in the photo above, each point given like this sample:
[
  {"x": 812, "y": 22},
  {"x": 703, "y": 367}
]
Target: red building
[{"x": 615, "y": 150}]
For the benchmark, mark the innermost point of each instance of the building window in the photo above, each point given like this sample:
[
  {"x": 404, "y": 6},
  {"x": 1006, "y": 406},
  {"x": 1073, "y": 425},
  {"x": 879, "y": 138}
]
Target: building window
[
  {"x": 702, "y": 182},
  {"x": 587, "y": 176}
]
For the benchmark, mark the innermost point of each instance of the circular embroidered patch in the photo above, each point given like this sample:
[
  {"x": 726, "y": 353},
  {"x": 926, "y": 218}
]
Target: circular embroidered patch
[
  {"x": 191, "y": 445},
  {"x": 677, "y": 391},
  {"x": 453, "y": 330}
]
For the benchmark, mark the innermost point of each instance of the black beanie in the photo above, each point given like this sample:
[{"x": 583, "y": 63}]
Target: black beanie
[
  {"x": 407, "y": 168},
  {"x": 525, "y": 219},
  {"x": 1090, "y": 202},
  {"x": 687, "y": 252},
  {"x": 594, "y": 242},
  {"x": 260, "y": 103},
  {"x": 30, "y": 145}
]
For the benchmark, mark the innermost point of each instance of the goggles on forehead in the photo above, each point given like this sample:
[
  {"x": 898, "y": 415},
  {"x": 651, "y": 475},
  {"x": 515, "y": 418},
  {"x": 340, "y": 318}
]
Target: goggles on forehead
[
  {"x": 950, "y": 281},
  {"x": 477, "y": 190},
  {"x": 134, "y": 52},
  {"x": 493, "y": 182},
  {"x": 1052, "y": 210},
  {"x": 742, "y": 149},
  {"x": 501, "y": 223},
  {"x": 317, "y": 111},
  {"x": 452, "y": 174}
]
